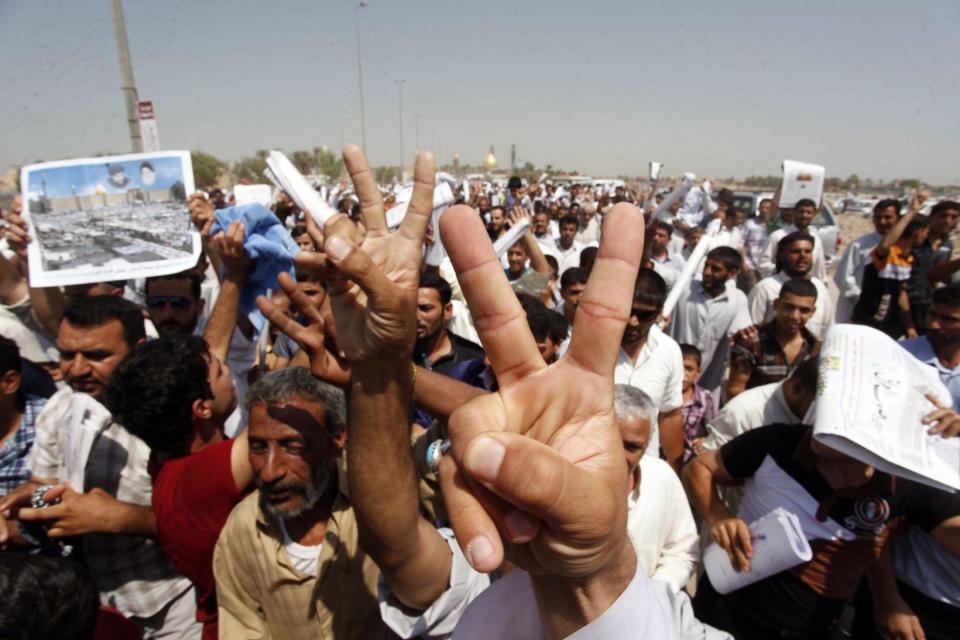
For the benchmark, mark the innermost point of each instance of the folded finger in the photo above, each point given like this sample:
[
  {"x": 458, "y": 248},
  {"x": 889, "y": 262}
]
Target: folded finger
[
  {"x": 605, "y": 305},
  {"x": 312, "y": 261},
  {"x": 364, "y": 183},
  {"x": 497, "y": 314},
  {"x": 476, "y": 532}
]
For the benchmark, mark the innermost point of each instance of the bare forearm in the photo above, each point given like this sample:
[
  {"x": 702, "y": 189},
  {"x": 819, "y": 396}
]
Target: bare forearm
[
  {"x": 671, "y": 437},
  {"x": 13, "y": 287},
  {"x": 537, "y": 260},
  {"x": 943, "y": 271},
  {"x": 703, "y": 492},
  {"x": 411, "y": 554},
  {"x": 883, "y": 583},
  {"x": 441, "y": 395},
  {"x": 48, "y": 304},
  {"x": 223, "y": 318},
  {"x": 131, "y": 519}
]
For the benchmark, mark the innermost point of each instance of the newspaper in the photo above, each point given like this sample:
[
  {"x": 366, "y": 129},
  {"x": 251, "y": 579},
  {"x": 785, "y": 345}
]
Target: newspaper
[
  {"x": 778, "y": 544},
  {"x": 801, "y": 180},
  {"x": 662, "y": 212},
  {"x": 870, "y": 403},
  {"x": 297, "y": 187},
  {"x": 510, "y": 237},
  {"x": 109, "y": 218}
]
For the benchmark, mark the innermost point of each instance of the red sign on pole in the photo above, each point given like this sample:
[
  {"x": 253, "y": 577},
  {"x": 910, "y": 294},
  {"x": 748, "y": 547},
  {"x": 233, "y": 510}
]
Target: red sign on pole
[{"x": 146, "y": 110}]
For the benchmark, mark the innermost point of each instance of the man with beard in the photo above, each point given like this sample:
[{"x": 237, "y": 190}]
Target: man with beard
[
  {"x": 803, "y": 214},
  {"x": 940, "y": 347},
  {"x": 175, "y": 303},
  {"x": 288, "y": 563},
  {"x": 794, "y": 260},
  {"x": 437, "y": 348}
]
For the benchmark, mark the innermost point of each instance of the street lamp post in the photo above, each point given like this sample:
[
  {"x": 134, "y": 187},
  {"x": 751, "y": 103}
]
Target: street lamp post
[
  {"x": 126, "y": 77},
  {"x": 363, "y": 112},
  {"x": 416, "y": 132},
  {"x": 400, "y": 82}
]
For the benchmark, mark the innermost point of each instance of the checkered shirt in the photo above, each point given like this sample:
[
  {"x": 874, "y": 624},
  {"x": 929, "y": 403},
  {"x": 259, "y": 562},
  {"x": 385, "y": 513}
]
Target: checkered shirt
[{"x": 13, "y": 454}]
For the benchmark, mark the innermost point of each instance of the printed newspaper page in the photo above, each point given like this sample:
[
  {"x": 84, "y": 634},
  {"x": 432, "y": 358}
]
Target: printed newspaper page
[
  {"x": 109, "y": 218},
  {"x": 870, "y": 404}
]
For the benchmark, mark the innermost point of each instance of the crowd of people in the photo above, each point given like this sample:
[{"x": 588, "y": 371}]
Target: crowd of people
[{"x": 357, "y": 444}]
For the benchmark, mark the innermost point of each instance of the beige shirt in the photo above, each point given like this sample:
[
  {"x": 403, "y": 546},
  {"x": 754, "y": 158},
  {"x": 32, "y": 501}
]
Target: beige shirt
[{"x": 261, "y": 595}]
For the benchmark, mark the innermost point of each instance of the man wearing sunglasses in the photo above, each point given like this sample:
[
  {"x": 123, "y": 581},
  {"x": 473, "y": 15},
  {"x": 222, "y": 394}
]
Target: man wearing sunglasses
[
  {"x": 174, "y": 303},
  {"x": 651, "y": 360}
]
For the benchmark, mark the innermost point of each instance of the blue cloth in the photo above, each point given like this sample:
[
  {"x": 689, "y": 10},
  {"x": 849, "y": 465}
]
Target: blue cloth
[
  {"x": 270, "y": 247},
  {"x": 922, "y": 350},
  {"x": 13, "y": 453}
]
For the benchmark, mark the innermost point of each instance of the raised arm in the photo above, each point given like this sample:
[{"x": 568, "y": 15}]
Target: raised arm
[
  {"x": 223, "y": 318},
  {"x": 897, "y": 230}
]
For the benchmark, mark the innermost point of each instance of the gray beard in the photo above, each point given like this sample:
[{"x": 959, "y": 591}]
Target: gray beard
[{"x": 311, "y": 492}]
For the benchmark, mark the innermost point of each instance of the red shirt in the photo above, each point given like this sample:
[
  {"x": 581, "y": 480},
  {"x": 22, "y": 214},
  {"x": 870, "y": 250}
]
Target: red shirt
[{"x": 192, "y": 498}]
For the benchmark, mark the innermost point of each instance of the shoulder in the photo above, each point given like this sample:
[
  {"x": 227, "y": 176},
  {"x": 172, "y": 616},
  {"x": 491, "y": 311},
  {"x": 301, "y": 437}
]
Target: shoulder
[
  {"x": 657, "y": 473},
  {"x": 242, "y": 519}
]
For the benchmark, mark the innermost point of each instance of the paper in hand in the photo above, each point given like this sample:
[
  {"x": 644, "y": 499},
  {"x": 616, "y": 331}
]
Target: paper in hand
[
  {"x": 801, "y": 181},
  {"x": 298, "y": 188}
]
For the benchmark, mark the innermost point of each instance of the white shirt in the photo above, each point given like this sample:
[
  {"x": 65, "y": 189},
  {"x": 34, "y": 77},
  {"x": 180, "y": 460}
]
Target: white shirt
[
  {"x": 444, "y": 613},
  {"x": 724, "y": 236},
  {"x": 707, "y": 323},
  {"x": 692, "y": 210},
  {"x": 589, "y": 232},
  {"x": 304, "y": 558},
  {"x": 661, "y": 525},
  {"x": 658, "y": 372},
  {"x": 568, "y": 257},
  {"x": 768, "y": 257},
  {"x": 753, "y": 408},
  {"x": 508, "y": 609},
  {"x": 767, "y": 290},
  {"x": 669, "y": 268},
  {"x": 849, "y": 275},
  {"x": 921, "y": 349},
  {"x": 925, "y": 564}
]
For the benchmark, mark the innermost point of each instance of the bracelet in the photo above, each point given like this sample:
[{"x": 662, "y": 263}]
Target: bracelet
[{"x": 435, "y": 451}]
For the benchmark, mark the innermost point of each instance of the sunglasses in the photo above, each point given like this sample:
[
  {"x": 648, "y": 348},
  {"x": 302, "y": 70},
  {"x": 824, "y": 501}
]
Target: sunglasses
[
  {"x": 176, "y": 302},
  {"x": 644, "y": 314}
]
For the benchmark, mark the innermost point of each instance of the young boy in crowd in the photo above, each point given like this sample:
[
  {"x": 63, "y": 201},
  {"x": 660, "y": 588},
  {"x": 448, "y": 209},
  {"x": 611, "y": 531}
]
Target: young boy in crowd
[{"x": 698, "y": 406}]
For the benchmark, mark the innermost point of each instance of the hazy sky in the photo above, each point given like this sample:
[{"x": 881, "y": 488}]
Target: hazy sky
[{"x": 718, "y": 88}]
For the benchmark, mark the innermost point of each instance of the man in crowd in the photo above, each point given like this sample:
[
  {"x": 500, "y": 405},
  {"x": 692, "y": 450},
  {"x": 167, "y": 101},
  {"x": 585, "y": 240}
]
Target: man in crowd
[
  {"x": 935, "y": 249},
  {"x": 883, "y": 303},
  {"x": 940, "y": 346},
  {"x": 659, "y": 520},
  {"x": 567, "y": 247},
  {"x": 667, "y": 264},
  {"x": 436, "y": 347},
  {"x": 650, "y": 360},
  {"x": 105, "y": 493},
  {"x": 699, "y": 407},
  {"x": 803, "y": 214},
  {"x": 794, "y": 260},
  {"x": 710, "y": 312},
  {"x": 572, "y": 283},
  {"x": 779, "y": 346},
  {"x": 498, "y": 223},
  {"x": 856, "y": 257},
  {"x": 755, "y": 232}
]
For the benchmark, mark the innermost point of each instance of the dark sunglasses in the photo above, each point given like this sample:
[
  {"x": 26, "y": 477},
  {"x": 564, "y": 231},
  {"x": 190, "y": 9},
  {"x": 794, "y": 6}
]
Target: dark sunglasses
[
  {"x": 644, "y": 314},
  {"x": 158, "y": 302}
]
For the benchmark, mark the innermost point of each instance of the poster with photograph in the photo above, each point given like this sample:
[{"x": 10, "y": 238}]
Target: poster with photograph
[
  {"x": 801, "y": 180},
  {"x": 109, "y": 218}
]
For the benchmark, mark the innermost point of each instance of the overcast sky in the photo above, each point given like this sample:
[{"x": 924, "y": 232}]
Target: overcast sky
[{"x": 717, "y": 88}]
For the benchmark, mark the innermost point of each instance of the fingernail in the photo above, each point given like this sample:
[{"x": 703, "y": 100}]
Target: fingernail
[
  {"x": 484, "y": 458},
  {"x": 337, "y": 248},
  {"x": 518, "y": 524},
  {"x": 479, "y": 550}
]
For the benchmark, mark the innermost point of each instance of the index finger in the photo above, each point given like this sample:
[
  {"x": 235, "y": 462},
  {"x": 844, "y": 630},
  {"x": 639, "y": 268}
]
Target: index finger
[
  {"x": 497, "y": 314},
  {"x": 605, "y": 305},
  {"x": 371, "y": 202}
]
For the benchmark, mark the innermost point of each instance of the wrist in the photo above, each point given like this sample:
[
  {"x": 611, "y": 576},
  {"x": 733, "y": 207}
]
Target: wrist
[{"x": 569, "y": 604}]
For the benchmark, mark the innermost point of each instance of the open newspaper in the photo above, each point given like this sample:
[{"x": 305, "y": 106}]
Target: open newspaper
[
  {"x": 870, "y": 404},
  {"x": 778, "y": 544},
  {"x": 292, "y": 181},
  {"x": 801, "y": 180}
]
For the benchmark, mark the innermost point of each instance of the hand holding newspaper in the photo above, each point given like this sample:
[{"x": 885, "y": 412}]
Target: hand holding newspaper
[
  {"x": 297, "y": 187},
  {"x": 778, "y": 544},
  {"x": 871, "y": 402}
]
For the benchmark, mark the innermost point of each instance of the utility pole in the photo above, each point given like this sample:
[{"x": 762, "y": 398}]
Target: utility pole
[
  {"x": 416, "y": 132},
  {"x": 400, "y": 82},
  {"x": 363, "y": 112},
  {"x": 126, "y": 77}
]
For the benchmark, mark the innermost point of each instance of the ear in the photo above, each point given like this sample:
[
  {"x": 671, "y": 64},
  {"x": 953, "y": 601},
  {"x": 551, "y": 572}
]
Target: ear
[
  {"x": 340, "y": 440},
  {"x": 447, "y": 311},
  {"x": 776, "y": 304},
  {"x": 10, "y": 382},
  {"x": 202, "y": 409}
]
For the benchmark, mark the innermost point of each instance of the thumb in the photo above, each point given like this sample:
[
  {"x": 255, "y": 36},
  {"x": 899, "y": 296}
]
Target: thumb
[{"x": 356, "y": 266}]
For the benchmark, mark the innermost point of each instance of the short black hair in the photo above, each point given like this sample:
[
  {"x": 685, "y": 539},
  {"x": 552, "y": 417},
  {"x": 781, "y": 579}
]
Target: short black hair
[
  {"x": 808, "y": 374},
  {"x": 430, "y": 280},
  {"x": 190, "y": 275},
  {"x": 944, "y": 205},
  {"x": 9, "y": 355},
  {"x": 728, "y": 256},
  {"x": 690, "y": 351},
  {"x": 537, "y": 317},
  {"x": 46, "y": 598},
  {"x": 918, "y": 223},
  {"x": 799, "y": 287},
  {"x": 650, "y": 288},
  {"x": 587, "y": 257},
  {"x": 558, "y": 326},
  {"x": 569, "y": 219},
  {"x": 805, "y": 202},
  {"x": 949, "y": 295},
  {"x": 554, "y": 265},
  {"x": 886, "y": 203},
  {"x": 96, "y": 311},
  {"x": 298, "y": 230},
  {"x": 725, "y": 196},
  {"x": 152, "y": 391},
  {"x": 788, "y": 241},
  {"x": 666, "y": 226},
  {"x": 572, "y": 276}
]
